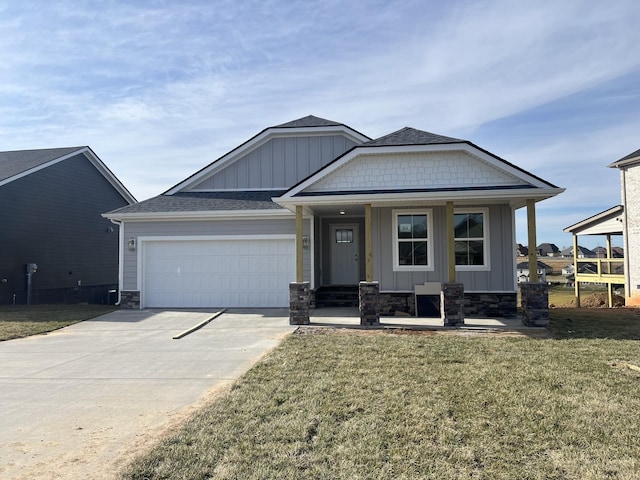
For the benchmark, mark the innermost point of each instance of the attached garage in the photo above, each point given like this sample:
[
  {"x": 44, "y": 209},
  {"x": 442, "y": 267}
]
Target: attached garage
[{"x": 216, "y": 271}]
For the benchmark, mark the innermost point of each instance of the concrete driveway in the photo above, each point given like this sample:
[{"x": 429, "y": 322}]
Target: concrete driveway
[{"x": 82, "y": 401}]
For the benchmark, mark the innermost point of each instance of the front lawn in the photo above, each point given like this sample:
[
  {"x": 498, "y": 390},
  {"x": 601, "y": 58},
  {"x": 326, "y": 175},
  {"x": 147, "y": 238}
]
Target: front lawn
[
  {"x": 22, "y": 320},
  {"x": 357, "y": 405}
]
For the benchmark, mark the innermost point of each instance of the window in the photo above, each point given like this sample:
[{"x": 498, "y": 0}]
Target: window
[
  {"x": 344, "y": 235},
  {"x": 470, "y": 227},
  {"x": 412, "y": 243}
]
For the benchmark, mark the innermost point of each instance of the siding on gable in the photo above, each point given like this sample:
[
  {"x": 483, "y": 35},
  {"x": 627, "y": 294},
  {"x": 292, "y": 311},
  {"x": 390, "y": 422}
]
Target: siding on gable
[
  {"x": 203, "y": 228},
  {"x": 52, "y": 217},
  {"x": 279, "y": 163},
  {"x": 414, "y": 170}
]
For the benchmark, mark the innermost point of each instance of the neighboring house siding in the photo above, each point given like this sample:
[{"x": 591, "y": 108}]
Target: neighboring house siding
[
  {"x": 279, "y": 163},
  {"x": 632, "y": 214},
  {"x": 203, "y": 228},
  {"x": 500, "y": 277},
  {"x": 52, "y": 217}
]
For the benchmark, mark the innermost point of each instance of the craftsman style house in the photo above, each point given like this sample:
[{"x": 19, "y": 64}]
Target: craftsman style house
[{"x": 314, "y": 203}]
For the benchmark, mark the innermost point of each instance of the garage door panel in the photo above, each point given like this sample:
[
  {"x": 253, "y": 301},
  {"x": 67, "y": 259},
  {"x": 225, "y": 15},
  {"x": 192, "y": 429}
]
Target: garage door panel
[{"x": 218, "y": 273}]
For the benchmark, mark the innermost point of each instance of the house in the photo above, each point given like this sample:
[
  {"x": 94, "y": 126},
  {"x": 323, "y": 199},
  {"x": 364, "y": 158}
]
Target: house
[
  {"x": 53, "y": 236},
  {"x": 621, "y": 220},
  {"x": 548, "y": 250},
  {"x": 583, "y": 252},
  {"x": 521, "y": 250},
  {"x": 314, "y": 203},
  {"x": 524, "y": 274}
]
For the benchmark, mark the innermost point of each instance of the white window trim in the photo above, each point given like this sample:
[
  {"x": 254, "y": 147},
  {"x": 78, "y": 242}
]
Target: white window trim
[
  {"x": 485, "y": 240},
  {"x": 430, "y": 233}
]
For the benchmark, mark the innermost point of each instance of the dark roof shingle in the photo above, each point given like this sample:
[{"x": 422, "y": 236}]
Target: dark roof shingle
[
  {"x": 411, "y": 136},
  {"x": 309, "y": 121},
  {"x": 205, "y": 201},
  {"x": 16, "y": 162}
]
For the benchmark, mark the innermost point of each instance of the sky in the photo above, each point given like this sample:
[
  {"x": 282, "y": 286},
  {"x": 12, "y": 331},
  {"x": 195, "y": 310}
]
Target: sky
[{"x": 159, "y": 89}]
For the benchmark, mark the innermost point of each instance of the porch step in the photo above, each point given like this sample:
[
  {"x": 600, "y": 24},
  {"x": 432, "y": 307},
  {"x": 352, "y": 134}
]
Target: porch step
[{"x": 340, "y": 296}]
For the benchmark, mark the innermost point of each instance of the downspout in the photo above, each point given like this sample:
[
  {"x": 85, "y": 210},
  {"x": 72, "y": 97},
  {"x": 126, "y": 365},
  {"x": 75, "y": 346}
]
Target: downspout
[
  {"x": 625, "y": 234},
  {"x": 120, "y": 257}
]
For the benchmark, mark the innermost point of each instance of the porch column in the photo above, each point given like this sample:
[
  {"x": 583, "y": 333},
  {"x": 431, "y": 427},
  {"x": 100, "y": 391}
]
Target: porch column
[
  {"x": 368, "y": 246},
  {"x": 535, "y": 295},
  {"x": 299, "y": 250},
  {"x": 451, "y": 244},
  {"x": 531, "y": 230},
  {"x": 299, "y": 293},
  {"x": 576, "y": 284},
  {"x": 452, "y": 293},
  {"x": 609, "y": 264}
]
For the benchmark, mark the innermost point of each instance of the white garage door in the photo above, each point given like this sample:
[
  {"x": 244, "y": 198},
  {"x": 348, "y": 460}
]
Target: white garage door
[{"x": 218, "y": 273}]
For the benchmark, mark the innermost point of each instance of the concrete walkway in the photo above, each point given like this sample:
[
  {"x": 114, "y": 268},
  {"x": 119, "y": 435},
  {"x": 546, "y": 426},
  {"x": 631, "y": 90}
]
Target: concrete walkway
[{"x": 82, "y": 401}]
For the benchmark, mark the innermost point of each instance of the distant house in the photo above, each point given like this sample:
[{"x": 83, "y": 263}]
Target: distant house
[
  {"x": 620, "y": 220},
  {"x": 521, "y": 250},
  {"x": 582, "y": 252},
  {"x": 548, "y": 250},
  {"x": 52, "y": 201},
  {"x": 523, "y": 271}
]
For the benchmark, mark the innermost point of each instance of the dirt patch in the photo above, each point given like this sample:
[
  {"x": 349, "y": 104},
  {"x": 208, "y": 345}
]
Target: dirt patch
[{"x": 597, "y": 300}]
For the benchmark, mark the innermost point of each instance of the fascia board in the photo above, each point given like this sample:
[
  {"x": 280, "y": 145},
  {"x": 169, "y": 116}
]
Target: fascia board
[
  {"x": 43, "y": 166},
  {"x": 387, "y": 198},
  {"x": 255, "y": 142},
  {"x": 108, "y": 174},
  {"x": 390, "y": 150},
  {"x": 203, "y": 215},
  {"x": 625, "y": 163}
]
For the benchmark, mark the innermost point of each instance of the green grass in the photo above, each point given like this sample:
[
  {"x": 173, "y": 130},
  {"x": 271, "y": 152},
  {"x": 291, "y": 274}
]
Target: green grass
[
  {"x": 420, "y": 405},
  {"x": 22, "y": 321}
]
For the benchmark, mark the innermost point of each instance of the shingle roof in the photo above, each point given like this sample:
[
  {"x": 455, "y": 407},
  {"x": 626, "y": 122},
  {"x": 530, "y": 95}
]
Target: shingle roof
[
  {"x": 205, "y": 201},
  {"x": 15, "y": 162},
  {"x": 411, "y": 136},
  {"x": 309, "y": 121},
  {"x": 634, "y": 155}
]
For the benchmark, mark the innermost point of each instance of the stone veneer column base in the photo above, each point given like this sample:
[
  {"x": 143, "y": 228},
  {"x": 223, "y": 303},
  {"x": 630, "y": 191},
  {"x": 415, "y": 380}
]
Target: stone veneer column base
[
  {"x": 299, "y": 301},
  {"x": 452, "y": 304},
  {"x": 130, "y": 299},
  {"x": 369, "y": 303},
  {"x": 535, "y": 304}
]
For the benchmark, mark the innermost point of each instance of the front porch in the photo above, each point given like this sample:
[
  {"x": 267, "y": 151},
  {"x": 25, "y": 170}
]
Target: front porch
[{"x": 349, "y": 317}]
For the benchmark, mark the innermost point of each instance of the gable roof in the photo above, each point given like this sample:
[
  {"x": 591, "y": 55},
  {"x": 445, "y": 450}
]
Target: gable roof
[
  {"x": 633, "y": 157},
  {"x": 309, "y": 121},
  {"x": 306, "y": 125},
  {"x": 20, "y": 163},
  {"x": 411, "y": 136},
  {"x": 202, "y": 204},
  {"x": 609, "y": 221}
]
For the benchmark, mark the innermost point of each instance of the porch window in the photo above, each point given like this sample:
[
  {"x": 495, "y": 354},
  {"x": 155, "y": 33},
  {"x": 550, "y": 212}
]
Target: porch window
[
  {"x": 471, "y": 239},
  {"x": 413, "y": 249}
]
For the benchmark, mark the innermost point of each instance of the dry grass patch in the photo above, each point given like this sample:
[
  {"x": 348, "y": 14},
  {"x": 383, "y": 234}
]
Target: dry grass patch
[
  {"x": 420, "y": 406},
  {"x": 22, "y": 320}
]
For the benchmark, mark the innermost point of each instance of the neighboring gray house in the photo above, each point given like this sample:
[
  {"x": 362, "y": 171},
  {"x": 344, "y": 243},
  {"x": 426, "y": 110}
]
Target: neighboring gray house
[
  {"x": 548, "y": 250},
  {"x": 52, "y": 201},
  {"x": 315, "y": 200},
  {"x": 524, "y": 273},
  {"x": 583, "y": 252}
]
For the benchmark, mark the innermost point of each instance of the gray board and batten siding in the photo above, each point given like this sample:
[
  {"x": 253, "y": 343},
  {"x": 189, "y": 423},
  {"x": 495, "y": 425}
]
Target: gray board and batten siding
[
  {"x": 264, "y": 166},
  {"x": 499, "y": 277},
  {"x": 52, "y": 217},
  {"x": 201, "y": 229}
]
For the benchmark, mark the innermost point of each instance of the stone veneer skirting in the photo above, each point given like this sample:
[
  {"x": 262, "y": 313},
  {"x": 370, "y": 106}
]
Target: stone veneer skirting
[
  {"x": 130, "y": 299},
  {"x": 369, "y": 303},
  {"x": 535, "y": 304},
  {"x": 299, "y": 302},
  {"x": 485, "y": 304}
]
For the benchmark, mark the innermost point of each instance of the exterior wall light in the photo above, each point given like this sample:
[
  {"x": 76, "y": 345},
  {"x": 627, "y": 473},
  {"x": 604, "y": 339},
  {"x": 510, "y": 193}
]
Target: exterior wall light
[
  {"x": 132, "y": 244},
  {"x": 305, "y": 241}
]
